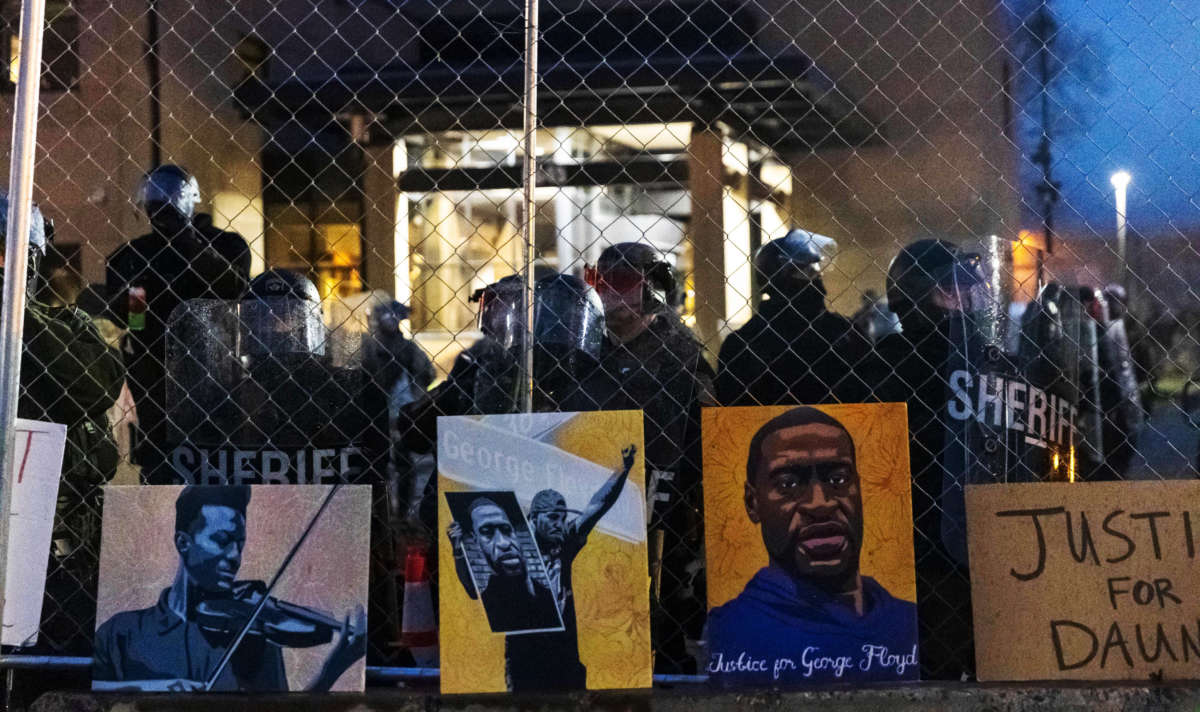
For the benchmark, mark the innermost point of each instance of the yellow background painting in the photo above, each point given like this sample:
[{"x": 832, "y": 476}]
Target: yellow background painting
[
  {"x": 734, "y": 544},
  {"x": 610, "y": 581}
]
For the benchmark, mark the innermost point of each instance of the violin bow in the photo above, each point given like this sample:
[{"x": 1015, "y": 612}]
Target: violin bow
[{"x": 237, "y": 641}]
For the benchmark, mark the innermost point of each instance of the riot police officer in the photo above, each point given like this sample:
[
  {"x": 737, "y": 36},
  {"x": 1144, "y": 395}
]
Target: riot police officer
[
  {"x": 183, "y": 257},
  {"x": 68, "y": 375},
  {"x": 254, "y": 398},
  {"x": 485, "y": 378},
  {"x": 947, "y": 364},
  {"x": 397, "y": 363},
  {"x": 925, "y": 285},
  {"x": 660, "y": 369},
  {"x": 794, "y": 350}
]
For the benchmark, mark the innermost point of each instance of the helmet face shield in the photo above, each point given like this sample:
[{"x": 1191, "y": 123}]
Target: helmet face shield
[
  {"x": 501, "y": 316},
  {"x": 793, "y": 260},
  {"x": 962, "y": 287},
  {"x": 168, "y": 195},
  {"x": 568, "y": 315},
  {"x": 274, "y": 326}
]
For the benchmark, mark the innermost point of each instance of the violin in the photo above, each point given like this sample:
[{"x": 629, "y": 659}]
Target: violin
[{"x": 288, "y": 625}]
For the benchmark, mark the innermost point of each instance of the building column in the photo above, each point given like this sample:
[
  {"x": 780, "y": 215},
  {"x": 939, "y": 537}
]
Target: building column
[
  {"x": 385, "y": 222},
  {"x": 719, "y": 233}
]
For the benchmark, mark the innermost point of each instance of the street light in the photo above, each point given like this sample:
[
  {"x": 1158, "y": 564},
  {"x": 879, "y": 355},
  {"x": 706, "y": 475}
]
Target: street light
[{"x": 1120, "y": 180}]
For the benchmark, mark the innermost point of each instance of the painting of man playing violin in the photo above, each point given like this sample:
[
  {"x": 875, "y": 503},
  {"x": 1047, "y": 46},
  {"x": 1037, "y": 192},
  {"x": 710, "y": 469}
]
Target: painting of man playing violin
[{"x": 208, "y": 629}]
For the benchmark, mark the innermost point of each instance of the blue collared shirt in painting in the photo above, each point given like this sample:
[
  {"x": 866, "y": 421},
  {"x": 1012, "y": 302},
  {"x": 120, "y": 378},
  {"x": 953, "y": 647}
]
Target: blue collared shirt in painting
[
  {"x": 154, "y": 649},
  {"x": 785, "y": 631}
]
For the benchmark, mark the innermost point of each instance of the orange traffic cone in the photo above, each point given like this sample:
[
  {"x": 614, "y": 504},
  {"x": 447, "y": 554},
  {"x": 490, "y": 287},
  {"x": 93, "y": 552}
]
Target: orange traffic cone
[{"x": 419, "y": 629}]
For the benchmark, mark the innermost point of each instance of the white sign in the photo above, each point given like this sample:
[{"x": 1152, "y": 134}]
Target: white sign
[
  {"x": 482, "y": 455},
  {"x": 38, "y": 466}
]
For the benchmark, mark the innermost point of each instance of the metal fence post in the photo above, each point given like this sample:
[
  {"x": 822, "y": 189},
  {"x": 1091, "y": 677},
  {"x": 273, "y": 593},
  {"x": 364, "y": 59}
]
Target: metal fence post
[
  {"x": 529, "y": 179},
  {"x": 20, "y": 191}
]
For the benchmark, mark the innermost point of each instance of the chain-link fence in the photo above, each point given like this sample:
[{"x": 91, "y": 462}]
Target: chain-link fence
[{"x": 333, "y": 266}]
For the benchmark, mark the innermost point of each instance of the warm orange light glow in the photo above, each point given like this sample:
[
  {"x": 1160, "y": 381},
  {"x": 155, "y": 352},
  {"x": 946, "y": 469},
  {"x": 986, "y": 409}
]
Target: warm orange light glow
[{"x": 1025, "y": 257}]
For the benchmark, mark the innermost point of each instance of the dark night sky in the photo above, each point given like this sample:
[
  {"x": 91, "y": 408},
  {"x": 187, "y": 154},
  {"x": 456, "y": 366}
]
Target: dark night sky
[{"x": 1146, "y": 121}]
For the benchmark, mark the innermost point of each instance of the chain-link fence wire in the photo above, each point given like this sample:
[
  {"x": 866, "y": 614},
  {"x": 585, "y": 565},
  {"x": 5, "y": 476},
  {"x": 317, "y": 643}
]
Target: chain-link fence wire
[{"x": 373, "y": 147}]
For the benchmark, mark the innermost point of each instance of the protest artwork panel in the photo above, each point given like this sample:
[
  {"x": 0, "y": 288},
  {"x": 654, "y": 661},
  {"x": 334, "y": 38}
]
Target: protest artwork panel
[
  {"x": 543, "y": 579},
  {"x": 1085, "y": 580},
  {"x": 38, "y": 459},
  {"x": 184, "y": 569},
  {"x": 808, "y": 535}
]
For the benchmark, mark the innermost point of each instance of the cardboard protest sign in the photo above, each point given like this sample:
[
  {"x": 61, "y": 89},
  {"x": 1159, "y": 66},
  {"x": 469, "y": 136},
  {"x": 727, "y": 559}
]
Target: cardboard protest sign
[
  {"x": 182, "y": 567},
  {"x": 38, "y": 459},
  {"x": 543, "y": 559},
  {"x": 1085, "y": 581},
  {"x": 808, "y": 534}
]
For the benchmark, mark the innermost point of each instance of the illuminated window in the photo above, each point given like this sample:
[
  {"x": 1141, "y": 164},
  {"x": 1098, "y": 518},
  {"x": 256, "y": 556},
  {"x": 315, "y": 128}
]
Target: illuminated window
[{"x": 60, "y": 51}]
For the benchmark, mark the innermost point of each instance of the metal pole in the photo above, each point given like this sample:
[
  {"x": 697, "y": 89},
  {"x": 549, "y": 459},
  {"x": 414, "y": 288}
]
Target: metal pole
[
  {"x": 154, "y": 79},
  {"x": 1122, "y": 254},
  {"x": 530, "y": 207},
  {"x": 16, "y": 256}
]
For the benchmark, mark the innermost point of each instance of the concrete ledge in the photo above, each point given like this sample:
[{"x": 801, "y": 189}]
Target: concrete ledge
[{"x": 1167, "y": 697}]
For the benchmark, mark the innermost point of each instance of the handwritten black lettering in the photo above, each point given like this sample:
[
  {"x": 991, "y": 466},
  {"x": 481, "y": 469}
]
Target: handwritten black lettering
[
  {"x": 1033, "y": 514},
  {"x": 1086, "y": 543},
  {"x": 1130, "y": 547},
  {"x": 1190, "y": 644},
  {"x": 1162, "y": 590},
  {"x": 1152, "y": 518},
  {"x": 1160, "y": 644},
  {"x": 1113, "y": 591},
  {"x": 1059, "y": 646},
  {"x": 1115, "y": 639},
  {"x": 1187, "y": 534}
]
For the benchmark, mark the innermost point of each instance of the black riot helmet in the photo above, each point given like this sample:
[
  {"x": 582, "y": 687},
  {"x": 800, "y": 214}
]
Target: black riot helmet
[
  {"x": 386, "y": 317},
  {"x": 168, "y": 195},
  {"x": 37, "y": 240},
  {"x": 633, "y": 275},
  {"x": 791, "y": 262},
  {"x": 568, "y": 316},
  {"x": 281, "y": 313},
  {"x": 931, "y": 278}
]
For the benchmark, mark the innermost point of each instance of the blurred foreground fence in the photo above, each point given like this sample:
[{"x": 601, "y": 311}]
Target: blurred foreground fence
[{"x": 377, "y": 148}]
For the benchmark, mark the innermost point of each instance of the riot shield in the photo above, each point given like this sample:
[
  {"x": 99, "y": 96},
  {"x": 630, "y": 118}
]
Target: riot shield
[
  {"x": 1010, "y": 417},
  {"x": 1120, "y": 401},
  {"x": 253, "y": 399},
  {"x": 1053, "y": 357},
  {"x": 203, "y": 369}
]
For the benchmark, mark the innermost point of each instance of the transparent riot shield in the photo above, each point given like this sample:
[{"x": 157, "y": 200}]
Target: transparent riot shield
[
  {"x": 974, "y": 360},
  {"x": 254, "y": 398},
  {"x": 1051, "y": 357},
  {"x": 1089, "y": 421},
  {"x": 203, "y": 370}
]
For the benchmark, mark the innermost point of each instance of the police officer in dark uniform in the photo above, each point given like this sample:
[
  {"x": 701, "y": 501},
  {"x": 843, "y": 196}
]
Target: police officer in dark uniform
[
  {"x": 396, "y": 362},
  {"x": 660, "y": 369},
  {"x": 976, "y": 415},
  {"x": 183, "y": 257},
  {"x": 924, "y": 286},
  {"x": 933, "y": 287},
  {"x": 69, "y": 375},
  {"x": 254, "y": 398},
  {"x": 485, "y": 378},
  {"x": 794, "y": 350}
]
